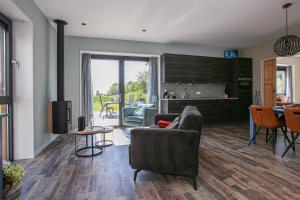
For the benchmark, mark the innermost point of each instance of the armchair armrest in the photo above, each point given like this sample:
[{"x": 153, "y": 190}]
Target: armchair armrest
[
  {"x": 128, "y": 111},
  {"x": 167, "y": 117},
  {"x": 171, "y": 151}
]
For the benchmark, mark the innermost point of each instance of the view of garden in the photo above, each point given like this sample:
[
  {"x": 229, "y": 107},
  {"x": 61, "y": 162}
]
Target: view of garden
[
  {"x": 136, "y": 89},
  {"x": 280, "y": 82}
]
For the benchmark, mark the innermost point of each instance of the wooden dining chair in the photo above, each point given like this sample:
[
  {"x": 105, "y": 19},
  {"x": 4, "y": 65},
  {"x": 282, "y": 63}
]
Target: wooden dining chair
[
  {"x": 292, "y": 119},
  {"x": 264, "y": 116}
]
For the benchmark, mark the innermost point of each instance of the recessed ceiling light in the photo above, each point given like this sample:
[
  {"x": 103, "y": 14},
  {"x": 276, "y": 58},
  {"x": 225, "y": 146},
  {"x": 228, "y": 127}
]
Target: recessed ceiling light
[
  {"x": 83, "y": 24},
  {"x": 144, "y": 30}
]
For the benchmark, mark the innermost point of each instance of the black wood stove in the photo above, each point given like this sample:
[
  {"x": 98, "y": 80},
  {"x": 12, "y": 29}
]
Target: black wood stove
[{"x": 61, "y": 109}]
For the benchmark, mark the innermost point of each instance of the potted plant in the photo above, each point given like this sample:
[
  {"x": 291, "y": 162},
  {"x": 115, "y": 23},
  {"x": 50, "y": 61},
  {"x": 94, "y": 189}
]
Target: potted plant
[{"x": 12, "y": 181}]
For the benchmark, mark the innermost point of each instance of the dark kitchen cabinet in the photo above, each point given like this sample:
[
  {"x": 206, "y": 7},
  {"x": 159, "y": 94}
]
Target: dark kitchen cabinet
[
  {"x": 222, "y": 69},
  {"x": 195, "y": 69},
  {"x": 243, "y": 67},
  {"x": 243, "y": 79},
  {"x": 241, "y": 85}
]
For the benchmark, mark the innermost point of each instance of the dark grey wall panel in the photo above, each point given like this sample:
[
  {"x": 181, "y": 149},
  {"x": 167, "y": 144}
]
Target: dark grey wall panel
[{"x": 195, "y": 69}]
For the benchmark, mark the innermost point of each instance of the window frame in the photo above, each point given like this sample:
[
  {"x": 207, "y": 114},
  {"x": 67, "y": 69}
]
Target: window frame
[
  {"x": 6, "y": 23},
  {"x": 282, "y": 68}
]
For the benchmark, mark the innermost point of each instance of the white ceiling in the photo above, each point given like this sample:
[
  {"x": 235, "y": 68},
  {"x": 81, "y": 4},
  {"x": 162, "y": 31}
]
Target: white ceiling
[{"x": 224, "y": 23}]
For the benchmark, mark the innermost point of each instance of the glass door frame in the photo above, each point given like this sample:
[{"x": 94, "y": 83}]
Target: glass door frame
[
  {"x": 6, "y": 23},
  {"x": 121, "y": 60}
]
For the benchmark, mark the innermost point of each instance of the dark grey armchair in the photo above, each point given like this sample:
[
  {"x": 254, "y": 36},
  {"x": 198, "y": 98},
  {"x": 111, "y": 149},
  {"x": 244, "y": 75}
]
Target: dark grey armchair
[{"x": 168, "y": 151}]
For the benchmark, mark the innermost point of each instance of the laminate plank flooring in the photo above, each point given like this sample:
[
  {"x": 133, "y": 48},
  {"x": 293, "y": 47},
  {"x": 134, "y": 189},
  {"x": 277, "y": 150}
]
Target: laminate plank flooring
[{"x": 228, "y": 169}]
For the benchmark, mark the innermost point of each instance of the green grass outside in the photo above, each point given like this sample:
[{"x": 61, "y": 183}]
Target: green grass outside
[{"x": 137, "y": 95}]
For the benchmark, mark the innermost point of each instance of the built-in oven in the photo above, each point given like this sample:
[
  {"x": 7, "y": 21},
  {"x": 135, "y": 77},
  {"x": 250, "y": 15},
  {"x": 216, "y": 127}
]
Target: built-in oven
[{"x": 245, "y": 83}]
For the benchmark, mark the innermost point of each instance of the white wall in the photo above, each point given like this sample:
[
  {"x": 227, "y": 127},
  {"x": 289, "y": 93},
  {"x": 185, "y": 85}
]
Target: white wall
[
  {"x": 295, "y": 62},
  {"x": 73, "y": 46},
  {"x": 296, "y": 77},
  {"x": 23, "y": 90}
]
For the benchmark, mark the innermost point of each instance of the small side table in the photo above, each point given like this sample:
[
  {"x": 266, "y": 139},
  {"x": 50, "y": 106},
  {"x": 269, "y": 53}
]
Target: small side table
[
  {"x": 104, "y": 142},
  {"x": 96, "y": 150}
]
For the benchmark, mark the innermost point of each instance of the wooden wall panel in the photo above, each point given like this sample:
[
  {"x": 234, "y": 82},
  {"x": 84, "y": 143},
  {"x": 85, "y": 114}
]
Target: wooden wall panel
[{"x": 270, "y": 82}]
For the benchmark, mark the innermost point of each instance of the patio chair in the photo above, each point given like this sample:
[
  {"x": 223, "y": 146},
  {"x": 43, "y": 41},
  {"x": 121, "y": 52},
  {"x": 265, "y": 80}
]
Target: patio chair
[{"x": 106, "y": 107}]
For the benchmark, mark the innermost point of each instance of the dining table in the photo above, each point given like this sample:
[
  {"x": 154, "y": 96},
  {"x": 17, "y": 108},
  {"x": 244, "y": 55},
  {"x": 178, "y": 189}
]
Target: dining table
[{"x": 277, "y": 110}]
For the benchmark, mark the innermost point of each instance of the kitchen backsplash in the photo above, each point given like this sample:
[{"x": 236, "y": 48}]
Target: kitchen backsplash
[{"x": 196, "y": 90}]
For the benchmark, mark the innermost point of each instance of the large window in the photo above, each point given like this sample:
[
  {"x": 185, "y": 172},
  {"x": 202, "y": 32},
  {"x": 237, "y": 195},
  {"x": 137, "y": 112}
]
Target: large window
[
  {"x": 281, "y": 81},
  {"x": 6, "y": 86}
]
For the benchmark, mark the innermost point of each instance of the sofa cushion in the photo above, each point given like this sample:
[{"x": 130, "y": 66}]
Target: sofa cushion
[
  {"x": 163, "y": 123},
  {"x": 137, "y": 119},
  {"x": 175, "y": 123},
  {"x": 191, "y": 119},
  {"x": 139, "y": 111}
]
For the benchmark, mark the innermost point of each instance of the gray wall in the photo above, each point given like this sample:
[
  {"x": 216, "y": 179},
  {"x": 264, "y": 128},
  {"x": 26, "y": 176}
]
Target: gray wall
[
  {"x": 52, "y": 68},
  {"x": 76, "y": 44},
  {"x": 43, "y": 69}
]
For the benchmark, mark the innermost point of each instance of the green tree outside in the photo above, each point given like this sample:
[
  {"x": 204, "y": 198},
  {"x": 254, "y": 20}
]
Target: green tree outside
[{"x": 136, "y": 88}]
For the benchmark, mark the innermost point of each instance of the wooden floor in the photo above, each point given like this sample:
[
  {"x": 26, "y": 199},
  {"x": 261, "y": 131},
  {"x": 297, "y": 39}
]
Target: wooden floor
[{"x": 228, "y": 169}]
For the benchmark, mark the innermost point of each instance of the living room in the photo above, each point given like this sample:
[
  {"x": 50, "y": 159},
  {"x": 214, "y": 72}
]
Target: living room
[{"x": 149, "y": 99}]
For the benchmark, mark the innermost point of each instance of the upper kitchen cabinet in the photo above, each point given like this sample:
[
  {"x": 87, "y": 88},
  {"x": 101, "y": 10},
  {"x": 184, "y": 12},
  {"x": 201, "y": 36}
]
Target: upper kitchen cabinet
[
  {"x": 195, "y": 69},
  {"x": 243, "y": 67},
  {"x": 222, "y": 70}
]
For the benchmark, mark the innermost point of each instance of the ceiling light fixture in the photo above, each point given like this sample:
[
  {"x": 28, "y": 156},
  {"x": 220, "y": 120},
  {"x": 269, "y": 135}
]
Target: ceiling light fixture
[{"x": 287, "y": 45}]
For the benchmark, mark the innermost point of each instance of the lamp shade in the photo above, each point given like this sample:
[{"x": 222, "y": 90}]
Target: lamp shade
[{"x": 287, "y": 45}]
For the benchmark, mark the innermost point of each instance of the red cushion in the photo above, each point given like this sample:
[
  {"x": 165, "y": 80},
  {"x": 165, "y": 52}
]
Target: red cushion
[{"x": 163, "y": 123}]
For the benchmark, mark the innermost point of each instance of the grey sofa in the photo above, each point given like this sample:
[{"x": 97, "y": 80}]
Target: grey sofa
[
  {"x": 168, "y": 151},
  {"x": 145, "y": 119}
]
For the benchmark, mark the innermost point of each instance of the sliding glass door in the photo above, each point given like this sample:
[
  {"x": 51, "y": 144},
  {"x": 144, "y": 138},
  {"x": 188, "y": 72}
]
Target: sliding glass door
[
  {"x": 136, "y": 77},
  {"x": 117, "y": 82},
  {"x": 105, "y": 82}
]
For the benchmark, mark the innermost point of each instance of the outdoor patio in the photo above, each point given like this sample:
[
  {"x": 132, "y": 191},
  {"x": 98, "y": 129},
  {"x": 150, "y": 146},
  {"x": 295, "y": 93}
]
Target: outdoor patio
[{"x": 103, "y": 120}]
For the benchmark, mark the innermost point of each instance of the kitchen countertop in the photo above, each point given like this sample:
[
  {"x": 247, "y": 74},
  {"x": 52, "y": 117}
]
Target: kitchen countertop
[{"x": 202, "y": 98}]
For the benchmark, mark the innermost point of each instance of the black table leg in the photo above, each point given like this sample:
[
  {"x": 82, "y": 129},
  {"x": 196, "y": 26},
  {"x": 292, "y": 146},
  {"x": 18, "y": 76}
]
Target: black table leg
[
  {"x": 87, "y": 146},
  {"x": 104, "y": 142}
]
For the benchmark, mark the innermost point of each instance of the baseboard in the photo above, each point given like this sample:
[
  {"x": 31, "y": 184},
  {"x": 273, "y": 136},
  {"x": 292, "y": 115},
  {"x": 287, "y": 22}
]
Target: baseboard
[{"x": 41, "y": 148}]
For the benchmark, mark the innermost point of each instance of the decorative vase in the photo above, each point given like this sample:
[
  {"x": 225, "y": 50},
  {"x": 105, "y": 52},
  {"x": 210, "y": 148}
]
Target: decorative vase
[{"x": 257, "y": 98}]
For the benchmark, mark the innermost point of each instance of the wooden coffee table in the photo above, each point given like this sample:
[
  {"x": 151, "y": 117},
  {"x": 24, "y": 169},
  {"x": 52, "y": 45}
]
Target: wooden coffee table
[
  {"x": 104, "y": 142},
  {"x": 95, "y": 150}
]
